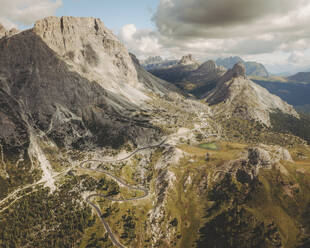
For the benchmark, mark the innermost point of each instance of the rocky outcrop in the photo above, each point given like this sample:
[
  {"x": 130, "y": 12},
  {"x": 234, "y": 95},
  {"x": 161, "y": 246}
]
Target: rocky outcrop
[
  {"x": 236, "y": 95},
  {"x": 259, "y": 157},
  {"x": 11, "y": 32},
  {"x": 94, "y": 52},
  {"x": 208, "y": 72},
  {"x": 188, "y": 60},
  {"x": 2, "y": 31}
]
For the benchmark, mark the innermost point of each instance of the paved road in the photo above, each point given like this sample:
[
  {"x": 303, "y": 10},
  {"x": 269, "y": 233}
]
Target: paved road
[{"x": 120, "y": 181}]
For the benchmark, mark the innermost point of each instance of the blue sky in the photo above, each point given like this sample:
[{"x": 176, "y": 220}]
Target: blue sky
[{"x": 114, "y": 13}]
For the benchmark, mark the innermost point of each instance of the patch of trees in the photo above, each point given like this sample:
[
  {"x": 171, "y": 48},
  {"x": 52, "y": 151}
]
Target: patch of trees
[
  {"x": 48, "y": 220},
  {"x": 110, "y": 187},
  {"x": 285, "y": 123}
]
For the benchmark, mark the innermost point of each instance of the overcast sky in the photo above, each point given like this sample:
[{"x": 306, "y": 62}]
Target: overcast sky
[{"x": 274, "y": 32}]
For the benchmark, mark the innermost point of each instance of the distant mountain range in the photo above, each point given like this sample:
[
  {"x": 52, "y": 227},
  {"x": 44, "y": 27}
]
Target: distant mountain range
[
  {"x": 156, "y": 62},
  {"x": 252, "y": 68}
]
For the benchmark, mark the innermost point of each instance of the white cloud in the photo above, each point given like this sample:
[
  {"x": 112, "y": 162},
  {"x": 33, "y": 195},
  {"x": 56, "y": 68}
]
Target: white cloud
[
  {"x": 268, "y": 30},
  {"x": 298, "y": 58},
  {"x": 141, "y": 42},
  {"x": 26, "y": 12}
]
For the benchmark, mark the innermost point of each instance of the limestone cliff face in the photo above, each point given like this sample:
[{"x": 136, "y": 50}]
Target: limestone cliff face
[
  {"x": 207, "y": 72},
  {"x": 236, "y": 95},
  {"x": 2, "y": 31},
  {"x": 94, "y": 52},
  {"x": 188, "y": 60},
  {"x": 72, "y": 81}
]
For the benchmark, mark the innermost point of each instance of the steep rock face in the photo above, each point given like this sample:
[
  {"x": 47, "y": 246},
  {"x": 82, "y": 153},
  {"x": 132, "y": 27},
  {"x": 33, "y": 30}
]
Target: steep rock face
[
  {"x": 2, "y": 31},
  {"x": 188, "y": 60},
  {"x": 151, "y": 82},
  {"x": 177, "y": 71},
  {"x": 235, "y": 95},
  {"x": 256, "y": 69},
  {"x": 94, "y": 52},
  {"x": 207, "y": 72},
  {"x": 70, "y": 81}
]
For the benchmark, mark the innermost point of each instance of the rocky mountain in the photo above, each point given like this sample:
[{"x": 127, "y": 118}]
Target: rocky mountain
[
  {"x": 300, "y": 77},
  {"x": 191, "y": 76},
  {"x": 252, "y": 68},
  {"x": 68, "y": 82},
  {"x": 236, "y": 95},
  {"x": 206, "y": 72},
  {"x": 177, "y": 72},
  {"x": 157, "y": 62},
  {"x": 188, "y": 60},
  {"x": 204, "y": 79},
  {"x": 2, "y": 31},
  {"x": 153, "y": 60}
]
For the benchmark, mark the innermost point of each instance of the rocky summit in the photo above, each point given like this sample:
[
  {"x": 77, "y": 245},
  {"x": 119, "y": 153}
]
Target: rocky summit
[
  {"x": 187, "y": 60},
  {"x": 236, "y": 95},
  {"x": 2, "y": 31},
  {"x": 206, "y": 72}
]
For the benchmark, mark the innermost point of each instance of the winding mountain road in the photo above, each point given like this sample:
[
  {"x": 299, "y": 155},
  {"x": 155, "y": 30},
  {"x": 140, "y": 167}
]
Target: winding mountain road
[
  {"x": 120, "y": 181},
  {"x": 115, "y": 178}
]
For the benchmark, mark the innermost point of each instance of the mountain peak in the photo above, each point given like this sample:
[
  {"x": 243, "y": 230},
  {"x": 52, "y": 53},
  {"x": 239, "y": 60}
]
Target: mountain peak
[
  {"x": 2, "y": 31},
  {"x": 66, "y": 34},
  {"x": 236, "y": 95},
  {"x": 209, "y": 65},
  {"x": 239, "y": 70},
  {"x": 153, "y": 60},
  {"x": 187, "y": 60}
]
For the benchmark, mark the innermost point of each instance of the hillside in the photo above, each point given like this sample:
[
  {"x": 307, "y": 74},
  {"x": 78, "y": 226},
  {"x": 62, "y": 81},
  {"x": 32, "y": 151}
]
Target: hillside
[
  {"x": 301, "y": 77},
  {"x": 295, "y": 93},
  {"x": 236, "y": 95}
]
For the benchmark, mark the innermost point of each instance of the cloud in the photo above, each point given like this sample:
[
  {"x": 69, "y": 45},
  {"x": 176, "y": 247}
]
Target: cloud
[
  {"x": 26, "y": 12},
  {"x": 142, "y": 42},
  {"x": 226, "y": 18},
  {"x": 209, "y": 28},
  {"x": 298, "y": 58}
]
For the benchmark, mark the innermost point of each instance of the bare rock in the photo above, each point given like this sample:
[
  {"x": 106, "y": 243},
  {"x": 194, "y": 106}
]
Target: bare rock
[
  {"x": 236, "y": 95},
  {"x": 11, "y": 32},
  {"x": 259, "y": 157},
  {"x": 2, "y": 31},
  {"x": 187, "y": 60},
  {"x": 284, "y": 154}
]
